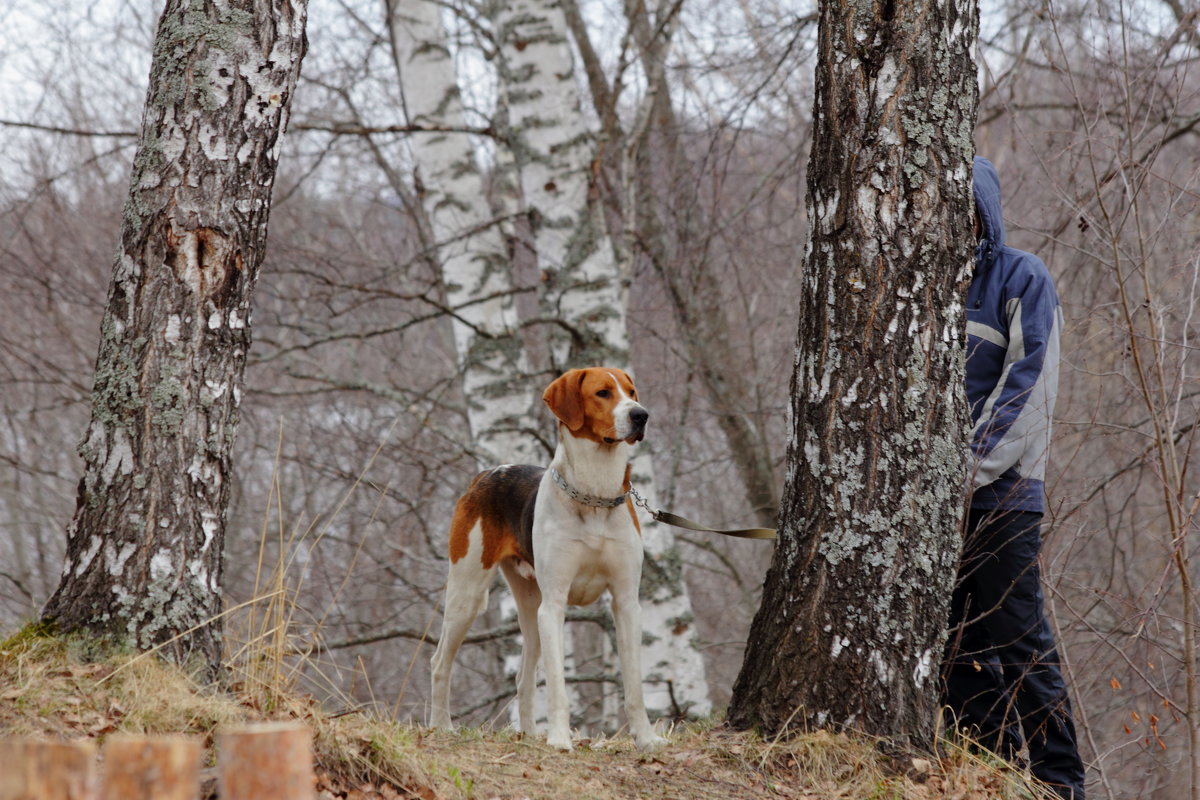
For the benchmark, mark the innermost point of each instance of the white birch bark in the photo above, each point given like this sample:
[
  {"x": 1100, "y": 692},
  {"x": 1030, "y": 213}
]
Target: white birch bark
[
  {"x": 470, "y": 246},
  {"x": 584, "y": 288}
]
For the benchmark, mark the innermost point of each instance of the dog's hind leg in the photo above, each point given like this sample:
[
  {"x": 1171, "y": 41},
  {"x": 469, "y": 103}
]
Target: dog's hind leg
[
  {"x": 466, "y": 595},
  {"x": 528, "y": 597}
]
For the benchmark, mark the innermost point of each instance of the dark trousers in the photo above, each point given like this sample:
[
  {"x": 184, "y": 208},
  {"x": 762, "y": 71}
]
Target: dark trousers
[{"x": 1001, "y": 675}]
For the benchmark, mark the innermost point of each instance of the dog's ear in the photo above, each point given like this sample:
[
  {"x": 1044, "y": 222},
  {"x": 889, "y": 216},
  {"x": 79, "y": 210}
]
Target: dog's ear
[{"x": 565, "y": 398}]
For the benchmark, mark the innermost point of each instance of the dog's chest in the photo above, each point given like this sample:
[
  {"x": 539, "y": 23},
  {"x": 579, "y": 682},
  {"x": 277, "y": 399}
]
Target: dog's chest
[
  {"x": 589, "y": 550},
  {"x": 589, "y": 583}
]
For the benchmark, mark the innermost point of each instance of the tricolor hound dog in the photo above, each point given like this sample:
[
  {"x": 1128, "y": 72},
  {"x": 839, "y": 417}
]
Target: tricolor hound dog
[{"x": 560, "y": 535}]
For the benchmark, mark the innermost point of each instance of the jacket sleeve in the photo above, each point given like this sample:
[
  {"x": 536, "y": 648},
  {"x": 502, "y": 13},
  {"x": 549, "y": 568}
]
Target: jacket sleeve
[{"x": 1015, "y": 421}]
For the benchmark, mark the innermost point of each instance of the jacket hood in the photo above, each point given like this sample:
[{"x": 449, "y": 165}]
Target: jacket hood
[{"x": 986, "y": 185}]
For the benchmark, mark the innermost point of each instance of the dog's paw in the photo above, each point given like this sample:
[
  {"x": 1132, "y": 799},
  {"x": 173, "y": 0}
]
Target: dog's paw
[
  {"x": 559, "y": 742},
  {"x": 650, "y": 744}
]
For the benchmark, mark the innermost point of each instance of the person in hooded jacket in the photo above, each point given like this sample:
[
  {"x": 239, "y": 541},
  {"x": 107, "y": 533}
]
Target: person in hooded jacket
[{"x": 1002, "y": 680}]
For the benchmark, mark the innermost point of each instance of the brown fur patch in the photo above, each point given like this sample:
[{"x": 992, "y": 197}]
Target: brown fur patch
[
  {"x": 626, "y": 485},
  {"x": 465, "y": 514},
  {"x": 501, "y": 500}
]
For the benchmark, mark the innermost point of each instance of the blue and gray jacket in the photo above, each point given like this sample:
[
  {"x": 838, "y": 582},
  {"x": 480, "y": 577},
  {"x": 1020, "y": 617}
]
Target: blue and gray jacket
[{"x": 1013, "y": 323}]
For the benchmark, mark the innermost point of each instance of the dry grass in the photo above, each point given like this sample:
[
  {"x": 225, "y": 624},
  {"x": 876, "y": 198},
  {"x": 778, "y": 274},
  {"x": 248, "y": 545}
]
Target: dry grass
[
  {"x": 49, "y": 691},
  {"x": 701, "y": 764}
]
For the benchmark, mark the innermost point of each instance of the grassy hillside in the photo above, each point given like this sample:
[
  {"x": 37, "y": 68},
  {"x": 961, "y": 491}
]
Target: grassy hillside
[{"x": 50, "y": 688}]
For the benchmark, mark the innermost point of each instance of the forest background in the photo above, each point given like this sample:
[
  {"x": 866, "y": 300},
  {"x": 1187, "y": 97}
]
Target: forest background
[{"x": 353, "y": 441}]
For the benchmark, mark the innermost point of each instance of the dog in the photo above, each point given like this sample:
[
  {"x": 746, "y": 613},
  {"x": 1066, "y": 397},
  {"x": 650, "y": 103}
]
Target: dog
[{"x": 560, "y": 535}]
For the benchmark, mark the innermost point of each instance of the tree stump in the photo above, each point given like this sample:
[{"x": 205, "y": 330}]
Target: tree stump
[
  {"x": 150, "y": 768},
  {"x": 268, "y": 761},
  {"x": 31, "y": 770}
]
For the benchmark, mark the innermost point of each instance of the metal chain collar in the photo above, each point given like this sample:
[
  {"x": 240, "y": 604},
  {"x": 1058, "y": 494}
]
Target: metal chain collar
[{"x": 585, "y": 499}]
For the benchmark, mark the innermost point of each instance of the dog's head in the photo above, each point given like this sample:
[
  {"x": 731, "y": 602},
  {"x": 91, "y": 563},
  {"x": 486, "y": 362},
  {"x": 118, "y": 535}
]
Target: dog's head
[{"x": 598, "y": 403}]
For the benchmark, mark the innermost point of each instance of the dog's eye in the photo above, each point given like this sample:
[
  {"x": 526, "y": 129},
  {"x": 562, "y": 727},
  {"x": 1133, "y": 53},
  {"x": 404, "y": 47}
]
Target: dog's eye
[{"x": 604, "y": 393}]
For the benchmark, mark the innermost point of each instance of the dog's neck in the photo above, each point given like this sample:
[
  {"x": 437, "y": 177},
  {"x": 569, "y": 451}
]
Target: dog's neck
[{"x": 591, "y": 467}]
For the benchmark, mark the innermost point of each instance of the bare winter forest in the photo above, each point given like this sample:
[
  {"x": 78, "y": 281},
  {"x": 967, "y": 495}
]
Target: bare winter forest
[{"x": 409, "y": 236}]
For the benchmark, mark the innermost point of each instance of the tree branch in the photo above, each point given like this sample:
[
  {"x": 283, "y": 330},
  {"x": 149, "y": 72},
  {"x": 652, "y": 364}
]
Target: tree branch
[{"x": 597, "y": 616}]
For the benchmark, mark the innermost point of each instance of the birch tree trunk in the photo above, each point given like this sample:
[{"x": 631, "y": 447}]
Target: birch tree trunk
[
  {"x": 582, "y": 296},
  {"x": 854, "y": 606},
  {"x": 468, "y": 243},
  {"x": 585, "y": 295},
  {"x": 144, "y": 547}
]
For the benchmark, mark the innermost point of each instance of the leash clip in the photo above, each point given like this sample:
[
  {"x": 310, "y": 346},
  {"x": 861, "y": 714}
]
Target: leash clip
[{"x": 641, "y": 501}]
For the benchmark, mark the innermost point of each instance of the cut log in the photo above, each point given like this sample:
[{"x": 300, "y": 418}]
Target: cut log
[
  {"x": 268, "y": 761},
  {"x": 32, "y": 770},
  {"x": 150, "y": 768}
]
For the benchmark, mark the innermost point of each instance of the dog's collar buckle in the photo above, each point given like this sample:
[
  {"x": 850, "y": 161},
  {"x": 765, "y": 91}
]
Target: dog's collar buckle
[{"x": 582, "y": 498}]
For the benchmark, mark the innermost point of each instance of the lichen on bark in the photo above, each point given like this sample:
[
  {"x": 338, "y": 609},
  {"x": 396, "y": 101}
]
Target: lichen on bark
[
  {"x": 157, "y": 523},
  {"x": 854, "y": 603}
]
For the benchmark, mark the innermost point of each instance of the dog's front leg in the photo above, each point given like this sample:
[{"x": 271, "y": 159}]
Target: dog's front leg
[
  {"x": 551, "y": 617},
  {"x": 627, "y": 617}
]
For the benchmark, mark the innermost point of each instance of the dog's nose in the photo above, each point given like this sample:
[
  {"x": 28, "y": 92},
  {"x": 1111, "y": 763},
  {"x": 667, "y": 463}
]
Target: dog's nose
[{"x": 638, "y": 416}]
